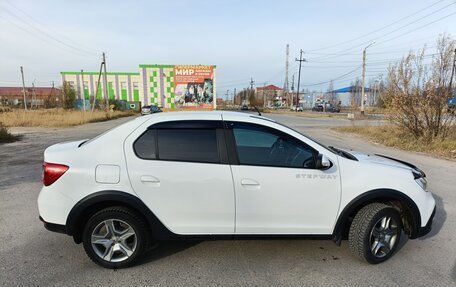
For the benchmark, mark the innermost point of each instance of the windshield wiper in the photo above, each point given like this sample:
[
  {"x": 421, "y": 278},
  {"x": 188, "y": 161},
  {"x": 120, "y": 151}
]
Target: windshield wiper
[
  {"x": 336, "y": 150},
  {"x": 343, "y": 153}
]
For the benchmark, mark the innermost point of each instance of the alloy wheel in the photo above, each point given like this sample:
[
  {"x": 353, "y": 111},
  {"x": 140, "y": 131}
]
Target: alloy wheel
[
  {"x": 383, "y": 236},
  {"x": 114, "y": 240}
]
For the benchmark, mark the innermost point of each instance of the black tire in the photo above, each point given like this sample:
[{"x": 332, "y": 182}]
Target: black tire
[
  {"x": 362, "y": 235},
  {"x": 120, "y": 216}
]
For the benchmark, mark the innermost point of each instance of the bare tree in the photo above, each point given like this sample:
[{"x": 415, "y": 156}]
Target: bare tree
[
  {"x": 331, "y": 96},
  {"x": 356, "y": 93},
  {"x": 417, "y": 93},
  {"x": 380, "y": 93}
]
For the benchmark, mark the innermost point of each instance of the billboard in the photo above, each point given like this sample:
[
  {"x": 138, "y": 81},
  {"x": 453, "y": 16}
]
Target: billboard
[{"x": 194, "y": 86}]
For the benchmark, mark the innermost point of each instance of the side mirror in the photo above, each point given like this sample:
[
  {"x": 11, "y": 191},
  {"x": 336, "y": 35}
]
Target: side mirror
[{"x": 323, "y": 162}]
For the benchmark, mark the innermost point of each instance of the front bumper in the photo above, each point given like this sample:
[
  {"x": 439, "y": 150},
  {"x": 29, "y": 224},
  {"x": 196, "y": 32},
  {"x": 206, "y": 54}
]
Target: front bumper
[{"x": 426, "y": 229}]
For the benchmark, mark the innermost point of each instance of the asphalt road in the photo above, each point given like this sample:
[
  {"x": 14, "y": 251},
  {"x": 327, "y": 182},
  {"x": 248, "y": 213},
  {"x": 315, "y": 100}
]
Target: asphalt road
[{"x": 32, "y": 256}]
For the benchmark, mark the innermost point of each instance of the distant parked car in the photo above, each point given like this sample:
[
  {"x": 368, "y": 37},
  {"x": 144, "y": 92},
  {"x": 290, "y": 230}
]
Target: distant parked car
[
  {"x": 299, "y": 108},
  {"x": 244, "y": 108},
  {"x": 150, "y": 109},
  {"x": 333, "y": 109},
  {"x": 452, "y": 104},
  {"x": 318, "y": 108}
]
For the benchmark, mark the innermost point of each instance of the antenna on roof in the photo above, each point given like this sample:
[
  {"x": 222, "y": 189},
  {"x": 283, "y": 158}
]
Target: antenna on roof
[{"x": 257, "y": 110}]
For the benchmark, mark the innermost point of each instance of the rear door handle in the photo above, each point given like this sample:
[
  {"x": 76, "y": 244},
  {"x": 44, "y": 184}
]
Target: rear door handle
[
  {"x": 250, "y": 183},
  {"x": 149, "y": 179}
]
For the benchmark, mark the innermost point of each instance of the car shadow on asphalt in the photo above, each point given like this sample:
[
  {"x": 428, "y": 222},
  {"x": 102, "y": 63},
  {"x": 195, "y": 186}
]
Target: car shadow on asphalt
[
  {"x": 404, "y": 239},
  {"x": 167, "y": 248},
  {"x": 439, "y": 218},
  {"x": 453, "y": 273}
]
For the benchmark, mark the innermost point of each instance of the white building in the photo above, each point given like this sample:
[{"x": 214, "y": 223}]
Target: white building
[{"x": 167, "y": 86}]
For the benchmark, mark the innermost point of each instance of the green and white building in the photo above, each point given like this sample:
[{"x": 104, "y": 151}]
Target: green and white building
[{"x": 167, "y": 86}]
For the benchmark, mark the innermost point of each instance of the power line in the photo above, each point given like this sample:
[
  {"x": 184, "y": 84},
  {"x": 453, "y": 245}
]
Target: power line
[
  {"x": 425, "y": 25},
  {"x": 374, "y": 53},
  {"x": 40, "y": 37},
  {"x": 379, "y": 29},
  {"x": 233, "y": 85},
  {"x": 397, "y": 29},
  {"x": 44, "y": 33},
  {"x": 38, "y": 23},
  {"x": 376, "y": 61},
  {"x": 429, "y": 56},
  {"x": 333, "y": 79}
]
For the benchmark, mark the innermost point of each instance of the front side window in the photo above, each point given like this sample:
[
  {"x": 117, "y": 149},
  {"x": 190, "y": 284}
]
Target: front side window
[{"x": 262, "y": 146}]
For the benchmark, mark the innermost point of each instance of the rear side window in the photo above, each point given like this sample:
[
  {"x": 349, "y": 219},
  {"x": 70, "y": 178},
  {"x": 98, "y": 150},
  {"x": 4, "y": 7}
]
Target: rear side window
[
  {"x": 145, "y": 145},
  {"x": 195, "y": 145},
  {"x": 178, "y": 144}
]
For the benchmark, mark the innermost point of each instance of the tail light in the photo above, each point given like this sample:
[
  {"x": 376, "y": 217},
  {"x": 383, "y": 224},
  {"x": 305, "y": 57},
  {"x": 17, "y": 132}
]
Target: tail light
[{"x": 52, "y": 172}]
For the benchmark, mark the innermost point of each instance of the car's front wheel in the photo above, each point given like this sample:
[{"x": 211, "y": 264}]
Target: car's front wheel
[
  {"x": 375, "y": 232},
  {"x": 115, "y": 237}
]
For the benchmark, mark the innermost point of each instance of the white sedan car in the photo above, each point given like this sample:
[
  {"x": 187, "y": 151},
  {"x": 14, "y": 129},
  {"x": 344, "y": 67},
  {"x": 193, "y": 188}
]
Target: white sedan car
[{"x": 225, "y": 175}]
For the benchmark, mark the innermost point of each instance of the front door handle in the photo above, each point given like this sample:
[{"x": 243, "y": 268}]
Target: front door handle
[{"x": 250, "y": 183}]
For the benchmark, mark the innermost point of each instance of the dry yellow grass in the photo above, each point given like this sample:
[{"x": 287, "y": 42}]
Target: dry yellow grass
[
  {"x": 395, "y": 137},
  {"x": 56, "y": 117},
  {"x": 306, "y": 114}
]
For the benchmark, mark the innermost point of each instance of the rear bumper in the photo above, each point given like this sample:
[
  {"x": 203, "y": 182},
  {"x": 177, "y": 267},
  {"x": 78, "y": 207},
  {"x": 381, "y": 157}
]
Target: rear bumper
[
  {"x": 54, "y": 227},
  {"x": 426, "y": 229}
]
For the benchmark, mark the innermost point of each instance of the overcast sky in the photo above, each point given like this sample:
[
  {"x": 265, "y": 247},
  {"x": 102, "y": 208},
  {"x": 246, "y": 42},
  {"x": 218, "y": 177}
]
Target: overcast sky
[{"x": 243, "y": 38}]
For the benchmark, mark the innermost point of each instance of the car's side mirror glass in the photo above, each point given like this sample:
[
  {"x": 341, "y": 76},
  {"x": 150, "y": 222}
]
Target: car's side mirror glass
[{"x": 323, "y": 162}]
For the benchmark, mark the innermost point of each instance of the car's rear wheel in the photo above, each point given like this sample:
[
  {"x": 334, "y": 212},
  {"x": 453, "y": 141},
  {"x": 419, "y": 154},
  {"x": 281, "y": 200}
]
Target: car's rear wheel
[
  {"x": 375, "y": 232},
  {"x": 115, "y": 237}
]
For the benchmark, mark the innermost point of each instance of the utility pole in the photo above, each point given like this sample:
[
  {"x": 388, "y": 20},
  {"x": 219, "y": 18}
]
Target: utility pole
[
  {"x": 105, "y": 80},
  {"x": 251, "y": 89},
  {"x": 33, "y": 96},
  {"x": 363, "y": 78},
  {"x": 373, "y": 101},
  {"x": 292, "y": 89},
  {"x": 234, "y": 97},
  {"x": 285, "y": 85},
  {"x": 264, "y": 94},
  {"x": 226, "y": 97},
  {"x": 83, "y": 93},
  {"x": 452, "y": 72},
  {"x": 96, "y": 90},
  {"x": 300, "y": 60},
  {"x": 52, "y": 89},
  {"x": 50, "y": 94},
  {"x": 23, "y": 88}
]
